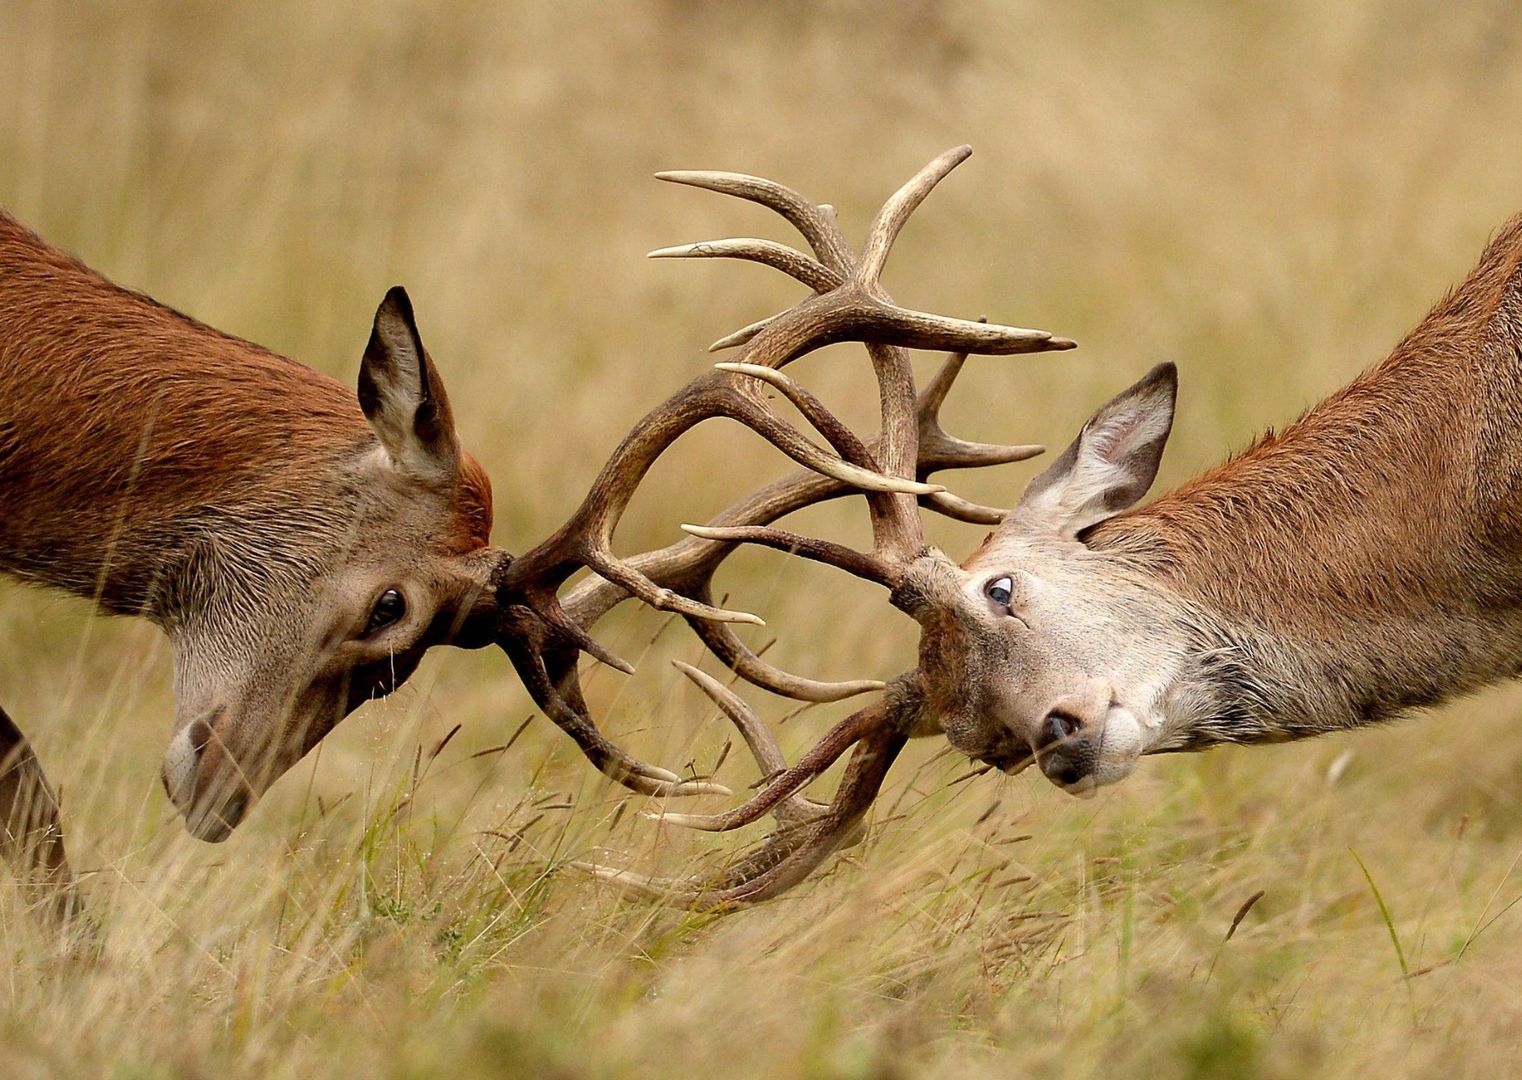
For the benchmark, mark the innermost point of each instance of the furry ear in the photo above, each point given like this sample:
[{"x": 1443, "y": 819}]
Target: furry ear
[
  {"x": 402, "y": 396},
  {"x": 1110, "y": 465}
]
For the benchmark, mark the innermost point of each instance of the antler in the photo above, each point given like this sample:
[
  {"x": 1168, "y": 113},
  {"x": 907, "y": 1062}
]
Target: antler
[
  {"x": 809, "y": 832},
  {"x": 910, "y": 446},
  {"x": 544, "y": 642},
  {"x": 688, "y": 566}
]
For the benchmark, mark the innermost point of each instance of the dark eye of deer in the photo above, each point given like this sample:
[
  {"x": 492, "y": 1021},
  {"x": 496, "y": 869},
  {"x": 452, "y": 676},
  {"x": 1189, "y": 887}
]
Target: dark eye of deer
[
  {"x": 1001, "y": 591},
  {"x": 389, "y": 607}
]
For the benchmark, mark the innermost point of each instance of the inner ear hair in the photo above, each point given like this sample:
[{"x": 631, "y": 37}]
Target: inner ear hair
[{"x": 401, "y": 394}]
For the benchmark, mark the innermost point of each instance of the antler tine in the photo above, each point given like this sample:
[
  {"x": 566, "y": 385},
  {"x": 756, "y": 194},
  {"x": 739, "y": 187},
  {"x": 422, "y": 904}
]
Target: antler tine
[
  {"x": 742, "y": 335},
  {"x": 922, "y": 330},
  {"x": 758, "y": 739},
  {"x": 936, "y": 330},
  {"x": 815, "y": 223},
  {"x": 821, "y": 756},
  {"x": 792, "y": 852},
  {"x": 959, "y": 509},
  {"x": 842, "y": 438},
  {"x": 720, "y": 640},
  {"x": 601, "y": 560},
  {"x": 558, "y": 696},
  {"x": 890, "y": 219},
  {"x": 790, "y": 261},
  {"x": 859, "y": 473}
]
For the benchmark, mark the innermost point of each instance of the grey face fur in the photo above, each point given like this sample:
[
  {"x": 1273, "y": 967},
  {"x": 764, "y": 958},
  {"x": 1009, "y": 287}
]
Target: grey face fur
[
  {"x": 1052, "y": 652},
  {"x": 292, "y": 610}
]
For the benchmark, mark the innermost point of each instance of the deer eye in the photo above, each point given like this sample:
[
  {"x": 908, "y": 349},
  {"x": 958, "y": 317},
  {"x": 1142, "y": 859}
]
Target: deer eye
[
  {"x": 1001, "y": 591},
  {"x": 389, "y": 607}
]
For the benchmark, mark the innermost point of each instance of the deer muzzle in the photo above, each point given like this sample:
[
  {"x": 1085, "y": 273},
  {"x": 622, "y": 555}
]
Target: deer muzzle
[
  {"x": 1067, "y": 751},
  {"x": 204, "y": 781}
]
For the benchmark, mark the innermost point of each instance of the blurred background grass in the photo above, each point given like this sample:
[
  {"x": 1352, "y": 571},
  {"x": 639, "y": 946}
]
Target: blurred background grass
[{"x": 1269, "y": 196}]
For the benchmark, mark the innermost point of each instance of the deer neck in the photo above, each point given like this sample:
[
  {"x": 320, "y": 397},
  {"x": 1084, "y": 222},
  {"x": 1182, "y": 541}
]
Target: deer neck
[
  {"x": 134, "y": 441},
  {"x": 1364, "y": 562}
]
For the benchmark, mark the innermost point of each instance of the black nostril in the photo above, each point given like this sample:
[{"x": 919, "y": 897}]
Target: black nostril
[
  {"x": 200, "y": 735},
  {"x": 1059, "y": 727},
  {"x": 1068, "y": 776},
  {"x": 234, "y": 809}
]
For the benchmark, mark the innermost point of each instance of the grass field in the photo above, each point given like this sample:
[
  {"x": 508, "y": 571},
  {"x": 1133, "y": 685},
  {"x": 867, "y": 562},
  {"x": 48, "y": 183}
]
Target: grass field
[{"x": 1271, "y": 197}]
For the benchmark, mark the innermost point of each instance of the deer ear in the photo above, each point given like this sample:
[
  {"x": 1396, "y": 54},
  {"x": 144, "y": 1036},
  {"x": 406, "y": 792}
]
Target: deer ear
[
  {"x": 401, "y": 394},
  {"x": 1110, "y": 465}
]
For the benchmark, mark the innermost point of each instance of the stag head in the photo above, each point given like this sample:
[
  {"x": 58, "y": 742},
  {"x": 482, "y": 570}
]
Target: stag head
[{"x": 285, "y": 619}]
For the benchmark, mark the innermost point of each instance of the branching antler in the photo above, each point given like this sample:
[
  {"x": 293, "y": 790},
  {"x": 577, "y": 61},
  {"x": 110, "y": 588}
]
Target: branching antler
[
  {"x": 808, "y": 832},
  {"x": 544, "y": 641},
  {"x": 688, "y": 565},
  {"x": 848, "y": 302}
]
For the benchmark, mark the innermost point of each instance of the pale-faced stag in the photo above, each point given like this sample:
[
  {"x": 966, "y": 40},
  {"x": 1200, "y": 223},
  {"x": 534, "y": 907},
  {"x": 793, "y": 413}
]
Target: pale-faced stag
[{"x": 1365, "y": 562}]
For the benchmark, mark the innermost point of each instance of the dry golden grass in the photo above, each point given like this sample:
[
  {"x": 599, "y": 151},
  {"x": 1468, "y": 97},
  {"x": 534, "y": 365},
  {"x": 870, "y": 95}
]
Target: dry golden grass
[{"x": 1269, "y": 197}]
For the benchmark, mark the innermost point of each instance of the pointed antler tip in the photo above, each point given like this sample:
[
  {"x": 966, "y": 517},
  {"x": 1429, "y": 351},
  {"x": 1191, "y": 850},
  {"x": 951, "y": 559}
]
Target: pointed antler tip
[
  {"x": 961, "y": 153},
  {"x": 699, "y": 822},
  {"x": 703, "y": 531},
  {"x": 616, "y": 662}
]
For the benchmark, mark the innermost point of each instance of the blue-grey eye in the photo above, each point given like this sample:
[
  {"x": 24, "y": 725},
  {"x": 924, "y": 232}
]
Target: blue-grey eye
[
  {"x": 1001, "y": 591},
  {"x": 389, "y": 607}
]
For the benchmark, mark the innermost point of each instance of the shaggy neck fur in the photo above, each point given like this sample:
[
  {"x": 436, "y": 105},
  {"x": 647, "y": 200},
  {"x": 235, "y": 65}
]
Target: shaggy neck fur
[
  {"x": 131, "y": 436},
  {"x": 1363, "y": 562}
]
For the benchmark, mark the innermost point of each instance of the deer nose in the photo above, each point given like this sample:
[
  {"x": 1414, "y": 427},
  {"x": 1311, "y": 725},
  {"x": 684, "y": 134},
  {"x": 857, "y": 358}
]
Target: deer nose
[
  {"x": 204, "y": 782},
  {"x": 1064, "y": 749},
  {"x": 183, "y": 758}
]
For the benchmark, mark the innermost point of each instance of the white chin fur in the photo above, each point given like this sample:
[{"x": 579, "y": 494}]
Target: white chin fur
[
  {"x": 180, "y": 769},
  {"x": 1121, "y": 746}
]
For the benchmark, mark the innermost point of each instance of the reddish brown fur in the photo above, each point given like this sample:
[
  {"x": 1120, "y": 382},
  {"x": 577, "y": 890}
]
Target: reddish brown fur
[
  {"x": 1375, "y": 541},
  {"x": 473, "y": 500},
  {"x": 1401, "y": 485},
  {"x": 119, "y": 415}
]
